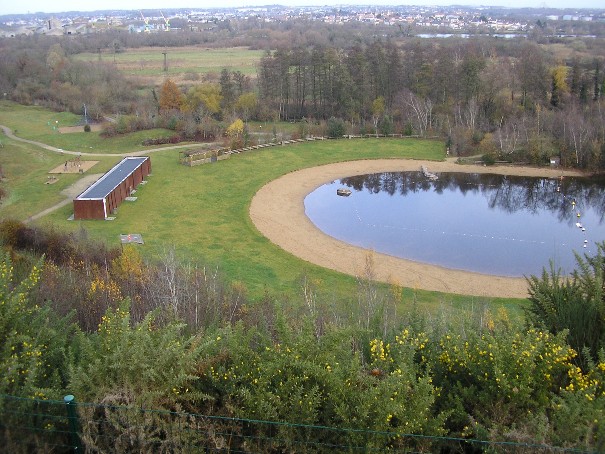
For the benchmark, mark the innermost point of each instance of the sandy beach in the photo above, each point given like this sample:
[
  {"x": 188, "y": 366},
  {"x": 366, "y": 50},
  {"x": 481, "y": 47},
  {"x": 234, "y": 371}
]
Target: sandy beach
[{"x": 277, "y": 211}]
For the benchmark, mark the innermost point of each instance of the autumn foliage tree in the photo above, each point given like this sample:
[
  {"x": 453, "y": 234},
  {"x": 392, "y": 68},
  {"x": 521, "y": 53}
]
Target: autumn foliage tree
[
  {"x": 234, "y": 132},
  {"x": 203, "y": 99},
  {"x": 171, "y": 97}
]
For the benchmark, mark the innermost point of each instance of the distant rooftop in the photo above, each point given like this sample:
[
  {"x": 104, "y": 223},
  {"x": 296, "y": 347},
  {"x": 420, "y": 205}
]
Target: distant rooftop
[{"x": 108, "y": 182}]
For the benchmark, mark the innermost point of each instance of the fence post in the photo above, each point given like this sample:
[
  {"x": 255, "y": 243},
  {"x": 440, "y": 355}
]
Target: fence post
[{"x": 72, "y": 416}]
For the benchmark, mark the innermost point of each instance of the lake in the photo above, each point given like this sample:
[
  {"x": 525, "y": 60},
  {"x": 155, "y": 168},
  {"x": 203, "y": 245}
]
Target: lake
[{"x": 485, "y": 223}]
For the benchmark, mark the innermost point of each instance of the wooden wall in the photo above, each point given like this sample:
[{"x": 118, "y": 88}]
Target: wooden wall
[{"x": 101, "y": 208}]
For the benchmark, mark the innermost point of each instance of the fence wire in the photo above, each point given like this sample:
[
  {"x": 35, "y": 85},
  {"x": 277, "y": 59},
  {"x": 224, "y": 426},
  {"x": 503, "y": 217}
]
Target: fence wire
[{"x": 34, "y": 425}]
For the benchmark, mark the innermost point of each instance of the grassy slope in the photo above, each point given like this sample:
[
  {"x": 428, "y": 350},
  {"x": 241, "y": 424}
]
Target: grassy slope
[
  {"x": 203, "y": 211},
  {"x": 36, "y": 123}
]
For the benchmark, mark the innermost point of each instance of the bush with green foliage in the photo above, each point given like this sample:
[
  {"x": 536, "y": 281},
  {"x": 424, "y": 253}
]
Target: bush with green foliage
[
  {"x": 336, "y": 128},
  {"x": 574, "y": 305},
  {"x": 33, "y": 341},
  {"x": 488, "y": 159},
  {"x": 490, "y": 381}
]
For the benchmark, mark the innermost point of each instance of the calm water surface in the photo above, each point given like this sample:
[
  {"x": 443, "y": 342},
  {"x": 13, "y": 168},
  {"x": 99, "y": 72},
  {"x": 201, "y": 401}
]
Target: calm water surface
[{"x": 508, "y": 226}]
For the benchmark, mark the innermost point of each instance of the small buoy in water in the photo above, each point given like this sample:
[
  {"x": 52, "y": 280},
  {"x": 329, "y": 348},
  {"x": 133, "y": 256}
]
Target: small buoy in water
[
  {"x": 585, "y": 241},
  {"x": 578, "y": 225},
  {"x": 578, "y": 215},
  {"x": 584, "y": 245},
  {"x": 583, "y": 229}
]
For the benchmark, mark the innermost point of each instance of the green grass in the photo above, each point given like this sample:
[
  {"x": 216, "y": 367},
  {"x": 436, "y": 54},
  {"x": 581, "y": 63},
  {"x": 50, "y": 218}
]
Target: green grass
[
  {"x": 26, "y": 169},
  {"x": 93, "y": 142},
  {"x": 203, "y": 213},
  {"x": 38, "y": 123},
  {"x": 149, "y": 61}
]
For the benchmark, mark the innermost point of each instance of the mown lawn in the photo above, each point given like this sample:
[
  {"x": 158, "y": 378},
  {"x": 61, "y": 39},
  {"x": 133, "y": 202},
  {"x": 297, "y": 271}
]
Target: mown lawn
[
  {"x": 26, "y": 170},
  {"x": 202, "y": 212},
  {"x": 38, "y": 123}
]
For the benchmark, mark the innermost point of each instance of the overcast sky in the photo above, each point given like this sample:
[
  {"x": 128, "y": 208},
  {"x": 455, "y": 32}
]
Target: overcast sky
[{"x": 32, "y": 6}]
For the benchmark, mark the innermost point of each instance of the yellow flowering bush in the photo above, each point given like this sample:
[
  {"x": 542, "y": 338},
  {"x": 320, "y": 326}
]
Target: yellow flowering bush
[
  {"x": 32, "y": 339},
  {"x": 321, "y": 381},
  {"x": 501, "y": 376}
]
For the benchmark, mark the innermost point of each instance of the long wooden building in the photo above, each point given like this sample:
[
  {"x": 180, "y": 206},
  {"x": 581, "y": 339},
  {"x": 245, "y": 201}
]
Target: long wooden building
[{"x": 104, "y": 196}]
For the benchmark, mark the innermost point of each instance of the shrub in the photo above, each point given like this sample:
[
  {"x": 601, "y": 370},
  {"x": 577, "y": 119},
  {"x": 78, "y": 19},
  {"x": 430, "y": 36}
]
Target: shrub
[
  {"x": 573, "y": 306},
  {"x": 86, "y": 127},
  {"x": 488, "y": 159},
  {"x": 336, "y": 128},
  {"x": 10, "y": 232},
  {"x": 385, "y": 126}
]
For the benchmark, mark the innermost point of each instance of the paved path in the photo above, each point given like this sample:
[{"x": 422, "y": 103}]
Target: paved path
[{"x": 83, "y": 183}]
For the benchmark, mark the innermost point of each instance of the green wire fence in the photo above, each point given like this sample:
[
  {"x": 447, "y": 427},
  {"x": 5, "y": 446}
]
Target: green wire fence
[{"x": 35, "y": 425}]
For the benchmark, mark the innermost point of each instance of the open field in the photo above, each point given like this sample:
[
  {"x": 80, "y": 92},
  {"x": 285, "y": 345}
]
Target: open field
[
  {"x": 27, "y": 168},
  {"x": 147, "y": 63}
]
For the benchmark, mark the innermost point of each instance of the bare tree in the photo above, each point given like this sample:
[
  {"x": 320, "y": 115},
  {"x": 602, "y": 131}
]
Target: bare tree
[
  {"x": 419, "y": 110},
  {"x": 508, "y": 135},
  {"x": 576, "y": 133},
  {"x": 368, "y": 295}
]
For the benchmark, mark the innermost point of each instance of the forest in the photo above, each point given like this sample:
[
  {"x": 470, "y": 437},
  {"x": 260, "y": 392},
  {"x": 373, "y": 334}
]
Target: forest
[
  {"x": 113, "y": 327},
  {"x": 523, "y": 99}
]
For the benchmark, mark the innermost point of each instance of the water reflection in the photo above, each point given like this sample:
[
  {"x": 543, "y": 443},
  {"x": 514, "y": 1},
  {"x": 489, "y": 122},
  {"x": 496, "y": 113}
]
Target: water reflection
[{"x": 487, "y": 223}]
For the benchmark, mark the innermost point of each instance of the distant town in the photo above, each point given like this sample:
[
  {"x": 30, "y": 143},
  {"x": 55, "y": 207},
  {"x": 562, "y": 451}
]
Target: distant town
[{"x": 412, "y": 20}]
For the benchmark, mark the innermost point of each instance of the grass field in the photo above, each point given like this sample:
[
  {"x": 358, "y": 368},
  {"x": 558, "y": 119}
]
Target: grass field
[
  {"x": 26, "y": 169},
  {"x": 147, "y": 63},
  {"x": 40, "y": 124},
  {"x": 202, "y": 212}
]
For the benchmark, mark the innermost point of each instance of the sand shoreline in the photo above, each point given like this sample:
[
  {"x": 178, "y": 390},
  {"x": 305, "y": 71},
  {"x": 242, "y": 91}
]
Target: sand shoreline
[{"x": 277, "y": 211}]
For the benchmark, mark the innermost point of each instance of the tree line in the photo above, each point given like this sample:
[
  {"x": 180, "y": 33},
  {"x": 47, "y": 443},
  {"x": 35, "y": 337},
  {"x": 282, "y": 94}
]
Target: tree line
[{"x": 508, "y": 100}]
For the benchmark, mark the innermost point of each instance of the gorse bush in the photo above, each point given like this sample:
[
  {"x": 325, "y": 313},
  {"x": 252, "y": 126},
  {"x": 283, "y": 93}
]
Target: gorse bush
[
  {"x": 489, "y": 381},
  {"x": 574, "y": 305},
  {"x": 33, "y": 341}
]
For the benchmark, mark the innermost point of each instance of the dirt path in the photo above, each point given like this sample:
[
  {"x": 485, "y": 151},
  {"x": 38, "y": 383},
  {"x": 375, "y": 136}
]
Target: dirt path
[
  {"x": 10, "y": 134},
  {"x": 277, "y": 210},
  {"x": 71, "y": 192},
  {"x": 83, "y": 183}
]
